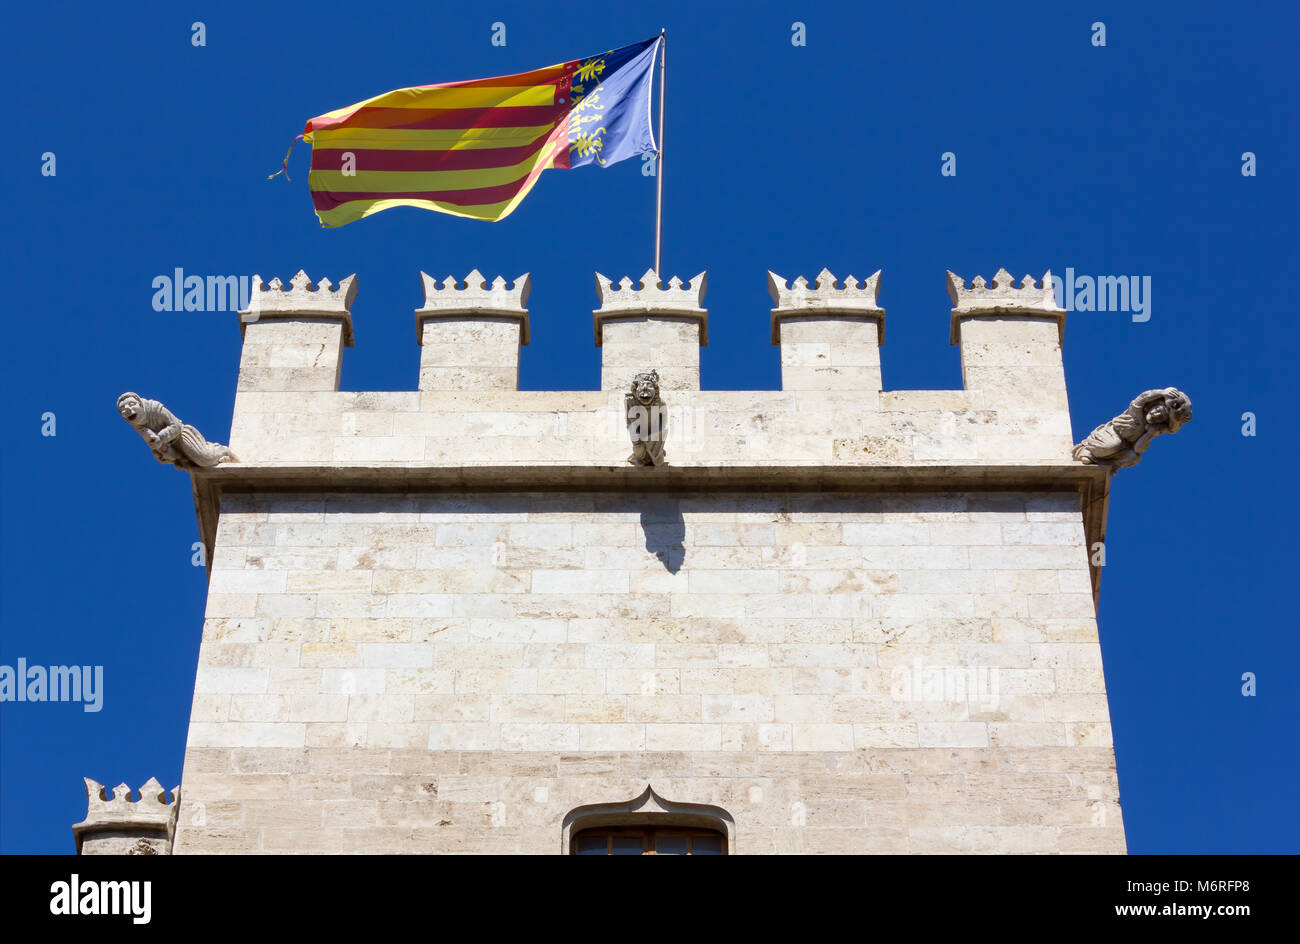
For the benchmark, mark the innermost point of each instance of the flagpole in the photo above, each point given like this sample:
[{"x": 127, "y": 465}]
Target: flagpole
[{"x": 659, "y": 160}]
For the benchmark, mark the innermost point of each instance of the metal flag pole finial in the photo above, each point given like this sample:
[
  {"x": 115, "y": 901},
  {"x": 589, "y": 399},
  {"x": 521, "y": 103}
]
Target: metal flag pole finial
[{"x": 659, "y": 159}]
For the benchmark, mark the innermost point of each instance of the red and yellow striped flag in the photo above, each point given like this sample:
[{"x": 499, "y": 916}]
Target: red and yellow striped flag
[{"x": 472, "y": 148}]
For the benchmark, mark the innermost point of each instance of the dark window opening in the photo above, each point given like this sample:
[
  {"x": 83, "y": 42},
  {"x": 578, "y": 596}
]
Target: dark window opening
[{"x": 648, "y": 840}]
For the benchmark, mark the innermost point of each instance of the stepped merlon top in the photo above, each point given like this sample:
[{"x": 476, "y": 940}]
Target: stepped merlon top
[
  {"x": 474, "y": 297},
  {"x": 1003, "y": 297},
  {"x": 651, "y": 298},
  {"x": 301, "y": 298},
  {"x": 828, "y": 297}
]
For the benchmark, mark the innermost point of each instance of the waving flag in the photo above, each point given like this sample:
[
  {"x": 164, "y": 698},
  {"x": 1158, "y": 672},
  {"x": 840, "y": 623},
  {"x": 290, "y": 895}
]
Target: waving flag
[{"x": 476, "y": 148}]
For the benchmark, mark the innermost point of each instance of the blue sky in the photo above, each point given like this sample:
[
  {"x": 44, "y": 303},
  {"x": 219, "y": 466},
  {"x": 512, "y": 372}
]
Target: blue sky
[{"x": 1117, "y": 160}]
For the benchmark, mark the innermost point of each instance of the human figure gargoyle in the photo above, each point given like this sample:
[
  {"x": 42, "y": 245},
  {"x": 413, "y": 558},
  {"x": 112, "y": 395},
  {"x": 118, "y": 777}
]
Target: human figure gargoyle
[
  {"x": 171, "y": 441},
  {"x": 1121, "y": 442}
]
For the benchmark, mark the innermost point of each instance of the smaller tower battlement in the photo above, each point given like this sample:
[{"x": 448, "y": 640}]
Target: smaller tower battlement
[{"x": 120, "y": 825}]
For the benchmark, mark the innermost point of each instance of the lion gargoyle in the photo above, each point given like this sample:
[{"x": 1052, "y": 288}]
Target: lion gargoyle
[
  {"x": 1121, "y": 442},
  {"x": 646, "y": 420},
  {"x": 171, "y": 441}
]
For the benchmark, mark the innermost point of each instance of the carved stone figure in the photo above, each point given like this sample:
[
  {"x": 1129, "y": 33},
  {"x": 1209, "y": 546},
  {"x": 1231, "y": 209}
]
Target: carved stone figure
[
  {"x": 171, "y": 440},
  {"x": 1121, "y": 442},
  {"x": 646, "y": 420}
]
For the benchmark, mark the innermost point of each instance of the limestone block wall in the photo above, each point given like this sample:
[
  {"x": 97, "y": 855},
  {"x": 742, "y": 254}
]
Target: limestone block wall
[
  {"x": 438, "y": 672},
  {"x": 294, "y": 335},
  {"x": 704, "y": 427}
]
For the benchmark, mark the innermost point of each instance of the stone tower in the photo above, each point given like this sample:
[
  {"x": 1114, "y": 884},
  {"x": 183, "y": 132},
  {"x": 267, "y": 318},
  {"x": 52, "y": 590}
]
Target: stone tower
[{"x": 829, "y": 618}]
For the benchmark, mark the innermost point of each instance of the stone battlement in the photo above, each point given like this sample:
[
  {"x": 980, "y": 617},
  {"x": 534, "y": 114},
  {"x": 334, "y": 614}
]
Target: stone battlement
[{"x": 832, "y": 408}]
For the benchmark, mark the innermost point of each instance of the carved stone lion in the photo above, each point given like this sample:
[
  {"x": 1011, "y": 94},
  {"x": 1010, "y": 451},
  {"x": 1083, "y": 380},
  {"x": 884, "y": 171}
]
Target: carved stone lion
[
  {"x": 171, "y": 441},
  {"x": 646, "y": 420},
  {"x": 1121, "y": 442}
]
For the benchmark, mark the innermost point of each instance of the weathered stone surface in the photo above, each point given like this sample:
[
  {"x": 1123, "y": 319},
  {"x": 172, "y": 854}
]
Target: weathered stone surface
[
  {"x": 470, "y": 334},
  {"x": 651, "y": 325},
  {"x": 830, "y": 335},
  {"x": 294, "y": 336}
]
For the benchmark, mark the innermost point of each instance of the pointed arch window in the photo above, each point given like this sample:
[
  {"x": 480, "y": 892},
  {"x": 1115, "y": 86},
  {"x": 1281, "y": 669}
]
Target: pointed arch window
[{"x": 648, "y": 825}]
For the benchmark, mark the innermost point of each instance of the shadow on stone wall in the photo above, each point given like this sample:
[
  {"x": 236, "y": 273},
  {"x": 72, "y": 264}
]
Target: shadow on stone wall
[{"x": 665, "y": 532}]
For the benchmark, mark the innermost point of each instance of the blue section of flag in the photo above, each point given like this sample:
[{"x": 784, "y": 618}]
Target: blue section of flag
[{"x": 610, "y": 118}]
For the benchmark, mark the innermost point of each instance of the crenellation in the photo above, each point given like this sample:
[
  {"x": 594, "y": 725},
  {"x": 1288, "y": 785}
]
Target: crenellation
[
  {"x": 294, "y": 335},
  {"x": 651, "y": 325},
  {"x": 1011, "y": 343},
  {"x": 832, "y": 410},
  {"x": 829, "y": 335},
  {"x": 470, "y": 334}
]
